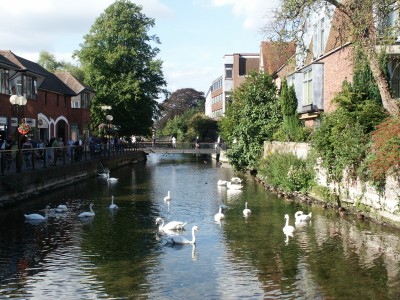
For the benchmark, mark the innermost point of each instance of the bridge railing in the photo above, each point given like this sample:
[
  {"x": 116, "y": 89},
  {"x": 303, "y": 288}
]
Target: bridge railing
[
  {"x": 181, "y": 145},
  {"x": 12, "y": 161}
]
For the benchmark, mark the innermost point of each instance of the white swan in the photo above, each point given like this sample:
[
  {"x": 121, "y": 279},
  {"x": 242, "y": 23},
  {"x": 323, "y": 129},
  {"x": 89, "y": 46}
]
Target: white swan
[
  {"x": 233, "y": 186},
  {"x": 168, "y": 197},
  {"x": 61, "y": 208},
  {"x": 173, "y": 225},
  {"x": 87, "y": 214},
  {"x": 112, "y": 205},
  {"x": 301, "y": 217},
  {"x": 288, "y": 229},
  {"x": 246, "y": 211},
  {"x": 178, "y": 239},
  {"x": 236, "y": 180},
  {"x": 111, "y": 179},
  {"x": 38, "y": 217},
  {"x": 222, "y": 182},
  {"x": 219, "y": 215}
]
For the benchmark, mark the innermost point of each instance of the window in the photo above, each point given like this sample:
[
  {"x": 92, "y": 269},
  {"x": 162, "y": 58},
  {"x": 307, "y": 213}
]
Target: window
[
  {"x": 24, "y": 85},
  {"x": 85, "y": 100},
  {"x": 58, "y": 100},
  {"x": 4, "y": 88},
  {"x": 307, "y": 88},
  {"x": 45, "y": 97},
  {"x": 228, "y": 71},
  {"x": 75, "y": 104}
]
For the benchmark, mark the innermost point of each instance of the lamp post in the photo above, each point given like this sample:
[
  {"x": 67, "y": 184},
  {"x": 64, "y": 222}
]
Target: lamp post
[
  {"x": 18, "y": 101},
  {"x": 109, "y": 118}
]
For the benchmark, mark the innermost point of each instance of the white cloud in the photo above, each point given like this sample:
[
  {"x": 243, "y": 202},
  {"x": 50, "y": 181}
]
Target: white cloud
[{"x": 254, "y": 12}]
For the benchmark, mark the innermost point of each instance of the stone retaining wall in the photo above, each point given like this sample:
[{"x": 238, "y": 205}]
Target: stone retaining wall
[
  {"x": 352, "y": 192},
  {"x": 15, "y": 188}
]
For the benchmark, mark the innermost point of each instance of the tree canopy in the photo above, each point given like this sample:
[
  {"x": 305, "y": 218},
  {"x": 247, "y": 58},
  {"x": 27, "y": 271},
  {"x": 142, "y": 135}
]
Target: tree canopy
[
  {"x": 361, "y": 23},
  {"x": 119, "y": 63},
  {"x": 178, "y": 103},
  {"x": 251, "y": 119}
]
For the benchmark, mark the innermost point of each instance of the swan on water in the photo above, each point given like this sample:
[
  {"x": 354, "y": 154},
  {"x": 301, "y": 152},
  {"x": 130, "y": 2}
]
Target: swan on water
[
  {"x": 168, "y": 197},
  {"x": 233, "y": 186},
  {"x": 38, "y": 217},
  {"x": 180, "y": 240},
  {"x": 301, "y": 217},
  {"x": 236, "y": 180},
  {"x": 61, "y": 208},
  {"x": 246, "y": 211},
  {"x": 113, "y": 205},
  {"x": 111, "y": 179},
  {"x": 173, "y": 225},
  {"x": 87, "y": 214},
  {"x": 287, "y": 229},
  {"x": 222, "y": 182},
  {"x": 219, "y": 215}
]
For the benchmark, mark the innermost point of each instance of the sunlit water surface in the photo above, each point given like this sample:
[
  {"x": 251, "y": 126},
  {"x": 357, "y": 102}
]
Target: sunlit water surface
[{"x": 121, "y": 255}]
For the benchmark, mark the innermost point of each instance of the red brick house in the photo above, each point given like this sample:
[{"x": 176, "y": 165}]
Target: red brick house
[{"x": 51, "y": 108}]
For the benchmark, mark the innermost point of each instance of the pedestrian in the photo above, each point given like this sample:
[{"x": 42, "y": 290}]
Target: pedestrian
[
  {"x": 8, "y": 153},
  {"x": 27, "y": 154},
  {"x": 54, "y": 147},
  {"x": 197, "y": 143},
  {"x": 173, "y": 142}
]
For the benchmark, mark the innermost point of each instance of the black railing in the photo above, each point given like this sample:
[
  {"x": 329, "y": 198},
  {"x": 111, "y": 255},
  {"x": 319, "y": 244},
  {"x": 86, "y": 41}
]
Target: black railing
[{"x": 34, "y": 158}]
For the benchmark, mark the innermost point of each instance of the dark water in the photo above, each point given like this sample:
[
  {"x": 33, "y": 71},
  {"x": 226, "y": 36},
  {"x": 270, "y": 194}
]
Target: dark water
[{"x": 121, "y": 256}]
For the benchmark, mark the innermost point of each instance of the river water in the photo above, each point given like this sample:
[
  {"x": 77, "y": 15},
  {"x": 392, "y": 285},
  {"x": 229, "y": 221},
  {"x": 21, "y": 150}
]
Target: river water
[{"x": 120, "y": 255}]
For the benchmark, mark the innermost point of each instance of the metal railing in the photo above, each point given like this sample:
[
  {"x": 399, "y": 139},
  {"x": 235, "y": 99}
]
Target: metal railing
[{"x": 34, "y": 158}]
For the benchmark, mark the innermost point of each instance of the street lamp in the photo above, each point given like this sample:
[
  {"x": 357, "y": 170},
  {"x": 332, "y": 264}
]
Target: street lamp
[
  {"x": 18, "y": 101},
  {"x": 109, "y": 118}
]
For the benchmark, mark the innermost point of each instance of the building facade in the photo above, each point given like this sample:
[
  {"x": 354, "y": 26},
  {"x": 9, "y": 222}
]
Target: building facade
[
  {"x": 53, "y": 108},
  {"x": 235, "y": 69}
]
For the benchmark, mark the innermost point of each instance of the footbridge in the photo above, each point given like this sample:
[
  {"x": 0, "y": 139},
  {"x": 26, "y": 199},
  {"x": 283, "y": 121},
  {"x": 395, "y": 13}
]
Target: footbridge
[{"x": 180, "y": 148}]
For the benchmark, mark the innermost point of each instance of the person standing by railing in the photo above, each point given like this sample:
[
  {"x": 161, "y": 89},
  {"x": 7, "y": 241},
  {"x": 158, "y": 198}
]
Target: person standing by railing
[
  {"x": 173, "y": 142},
  {"x": 8, "y": 153},
  {"x": 27, "y": 153}
]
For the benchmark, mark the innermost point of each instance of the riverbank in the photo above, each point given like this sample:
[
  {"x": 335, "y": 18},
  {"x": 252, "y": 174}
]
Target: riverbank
[{"x": 16, "y": 188}]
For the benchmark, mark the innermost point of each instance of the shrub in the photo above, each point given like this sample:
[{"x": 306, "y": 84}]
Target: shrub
[
  {"x": 287, "y": 172},
  {"x": 384, "y": 157}
]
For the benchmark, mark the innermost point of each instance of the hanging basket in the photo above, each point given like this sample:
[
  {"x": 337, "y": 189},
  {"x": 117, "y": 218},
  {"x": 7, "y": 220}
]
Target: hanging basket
[{"x": 23, "y": 128}]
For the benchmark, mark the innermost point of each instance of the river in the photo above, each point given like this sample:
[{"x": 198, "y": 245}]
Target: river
[{"x": 120, "y": 254}]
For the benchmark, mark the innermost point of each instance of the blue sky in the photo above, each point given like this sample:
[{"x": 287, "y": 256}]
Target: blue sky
[{"x": 194, "y": 34}]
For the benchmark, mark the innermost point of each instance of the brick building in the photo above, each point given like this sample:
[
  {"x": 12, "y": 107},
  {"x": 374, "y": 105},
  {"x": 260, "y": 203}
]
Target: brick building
[{"x": 57, "y": 106}]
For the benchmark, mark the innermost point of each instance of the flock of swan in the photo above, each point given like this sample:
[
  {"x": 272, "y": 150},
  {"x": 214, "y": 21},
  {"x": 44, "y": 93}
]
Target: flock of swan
[{"x": 62, "y": 208}]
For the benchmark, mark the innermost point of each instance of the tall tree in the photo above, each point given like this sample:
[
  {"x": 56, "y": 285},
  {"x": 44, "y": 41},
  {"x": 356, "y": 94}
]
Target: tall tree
[
  {"x": 362, "y": 23},
  {"x": 178, "y": 103},
  {"x": 251, "y": 119},
  {"x": 48, "y": 61},
  {"x": 119, "y": 64}
]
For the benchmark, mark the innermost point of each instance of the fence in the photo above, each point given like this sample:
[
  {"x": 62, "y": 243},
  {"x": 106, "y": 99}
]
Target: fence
[{"x": 15, "y": 161}]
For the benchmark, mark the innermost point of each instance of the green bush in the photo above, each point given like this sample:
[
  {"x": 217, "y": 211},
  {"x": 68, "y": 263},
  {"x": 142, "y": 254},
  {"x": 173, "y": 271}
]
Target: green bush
[{"x": 287, "y": 172}]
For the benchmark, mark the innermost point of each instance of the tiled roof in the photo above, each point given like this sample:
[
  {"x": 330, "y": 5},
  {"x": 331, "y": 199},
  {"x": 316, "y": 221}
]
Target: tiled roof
[
  {"x": 70, "y": 80},
  {"x": 275, "y": 55},
  {"x": 4, "y": 60},
  {"x": 51, "y": 81}
]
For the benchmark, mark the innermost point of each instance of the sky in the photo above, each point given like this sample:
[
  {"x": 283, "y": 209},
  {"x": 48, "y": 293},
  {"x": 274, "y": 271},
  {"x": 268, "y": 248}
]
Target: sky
[{"x": 194, "y": 34}]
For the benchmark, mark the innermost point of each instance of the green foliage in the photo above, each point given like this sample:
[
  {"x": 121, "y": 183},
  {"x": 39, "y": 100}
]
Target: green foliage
[
  {"x": 287, "y": 172},
  {"x": 291, "y": 129},
  {"x": 251, "y": 119},
  {"x": 178, "y": 103},
  {"x": 119, "y": 64},
  {"x": 340, "y": 141},
  {"x": 48, "y": 61},
  {"x": 342, "y": 138},
  {"x": 202, "y": 126}
]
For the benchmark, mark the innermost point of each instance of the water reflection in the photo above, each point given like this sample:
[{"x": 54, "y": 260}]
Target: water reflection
[{"x": 121, "y": 253}]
